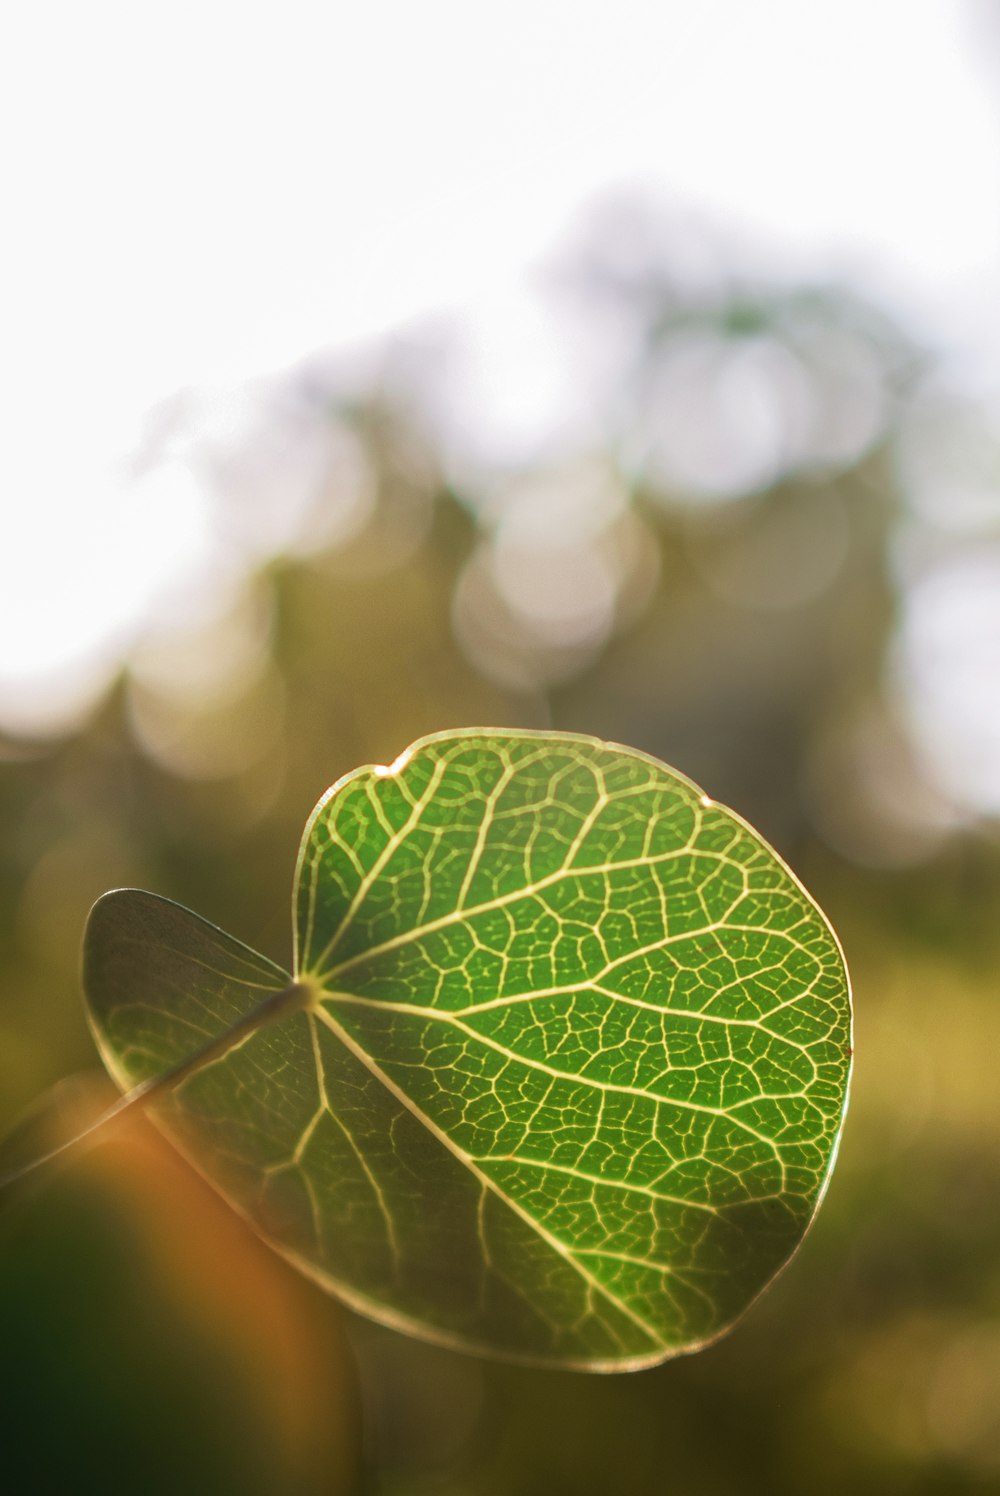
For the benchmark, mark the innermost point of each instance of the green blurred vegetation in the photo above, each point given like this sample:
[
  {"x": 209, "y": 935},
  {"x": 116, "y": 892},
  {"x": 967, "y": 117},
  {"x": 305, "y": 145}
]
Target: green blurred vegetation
[{"x": 711, "y": 572}]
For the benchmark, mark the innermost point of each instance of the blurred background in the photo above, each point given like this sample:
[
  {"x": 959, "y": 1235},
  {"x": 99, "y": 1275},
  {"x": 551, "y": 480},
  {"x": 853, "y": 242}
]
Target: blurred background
[{"x": 633, "y": 371}]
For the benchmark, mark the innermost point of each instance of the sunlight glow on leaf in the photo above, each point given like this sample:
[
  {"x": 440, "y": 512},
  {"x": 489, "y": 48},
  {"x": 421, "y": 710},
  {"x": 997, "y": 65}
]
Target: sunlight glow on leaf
[{"x": 573, "y": 1074}]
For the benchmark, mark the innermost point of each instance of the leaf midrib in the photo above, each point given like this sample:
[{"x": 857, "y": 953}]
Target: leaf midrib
[{"x": 523, "y": 891}]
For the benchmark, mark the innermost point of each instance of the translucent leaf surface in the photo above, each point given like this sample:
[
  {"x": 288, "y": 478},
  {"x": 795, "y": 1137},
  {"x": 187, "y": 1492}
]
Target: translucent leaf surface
[{"x": 574, "y": 1064}]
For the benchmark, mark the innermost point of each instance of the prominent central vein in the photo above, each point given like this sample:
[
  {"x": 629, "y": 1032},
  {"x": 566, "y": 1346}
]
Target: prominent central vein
[{"x": 501, "y": 901}]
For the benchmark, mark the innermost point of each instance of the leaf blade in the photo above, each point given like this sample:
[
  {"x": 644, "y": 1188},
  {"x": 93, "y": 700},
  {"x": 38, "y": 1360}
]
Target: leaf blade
[
  {"x": 578, "y": 1061},
  {"x": 377, "y": 963}
]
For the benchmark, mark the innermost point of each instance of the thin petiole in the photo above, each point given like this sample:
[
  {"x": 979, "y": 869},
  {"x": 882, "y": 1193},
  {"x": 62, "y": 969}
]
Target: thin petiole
[{"x": 294, "y": 998}]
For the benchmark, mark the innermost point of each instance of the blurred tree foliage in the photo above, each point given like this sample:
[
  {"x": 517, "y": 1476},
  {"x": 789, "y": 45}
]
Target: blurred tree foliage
[{"x": 708, "y": 568}]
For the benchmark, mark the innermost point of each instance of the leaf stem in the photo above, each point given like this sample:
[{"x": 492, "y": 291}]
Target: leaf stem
[{"x": 291, "y": 999}]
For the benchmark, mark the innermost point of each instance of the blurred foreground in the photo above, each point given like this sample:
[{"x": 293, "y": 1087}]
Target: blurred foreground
[{"x": 767, "y": 551}]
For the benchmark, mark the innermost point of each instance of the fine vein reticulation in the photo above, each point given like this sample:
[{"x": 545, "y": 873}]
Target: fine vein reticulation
[{"x": 575, "y": 1066}]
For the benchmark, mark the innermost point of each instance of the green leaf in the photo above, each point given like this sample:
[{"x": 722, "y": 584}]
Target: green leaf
[{"x": 573, "y": 1066}]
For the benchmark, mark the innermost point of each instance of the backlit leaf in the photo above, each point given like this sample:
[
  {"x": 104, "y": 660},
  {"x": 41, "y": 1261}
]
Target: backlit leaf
[{"x": 574, "y": 1062}]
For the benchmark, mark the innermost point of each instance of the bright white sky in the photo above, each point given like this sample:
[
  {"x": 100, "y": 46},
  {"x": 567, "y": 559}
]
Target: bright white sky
[{"x": 196, "y": 193}]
